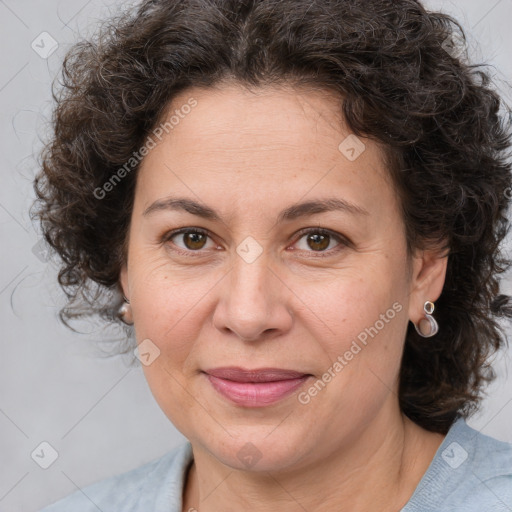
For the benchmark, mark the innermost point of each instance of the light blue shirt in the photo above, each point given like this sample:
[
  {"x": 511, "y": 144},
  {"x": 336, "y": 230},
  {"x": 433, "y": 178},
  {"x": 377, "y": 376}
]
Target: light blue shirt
[{"x": 470, "y": 472}]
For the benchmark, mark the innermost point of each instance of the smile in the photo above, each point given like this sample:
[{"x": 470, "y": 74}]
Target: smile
[{"x": 255, "y": 389}]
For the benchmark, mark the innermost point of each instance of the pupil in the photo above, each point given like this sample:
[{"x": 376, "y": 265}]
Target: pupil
[
  {"x": 318, "y": 239},
  {"x": 195, "y": 239}
]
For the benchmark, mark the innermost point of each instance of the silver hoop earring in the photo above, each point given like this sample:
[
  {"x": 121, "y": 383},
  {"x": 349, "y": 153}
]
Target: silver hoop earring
[
  {"x": 125, "y": 312},
  {"x": 428, "y": 307}
]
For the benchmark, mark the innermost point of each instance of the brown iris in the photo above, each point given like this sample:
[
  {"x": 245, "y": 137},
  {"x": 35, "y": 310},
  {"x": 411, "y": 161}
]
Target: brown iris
[
  {"x": 194, "y": 240},
  {"x": 321, "y": 241}
]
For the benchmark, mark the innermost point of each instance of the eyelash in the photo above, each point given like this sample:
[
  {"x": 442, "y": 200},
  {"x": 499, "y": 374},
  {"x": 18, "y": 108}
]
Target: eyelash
[{"x": 342, "y": 242}]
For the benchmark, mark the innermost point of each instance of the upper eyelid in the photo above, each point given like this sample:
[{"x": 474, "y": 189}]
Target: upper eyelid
[
  {"x": 342, "y": 240},
  {"x": 297, "y": 236}
]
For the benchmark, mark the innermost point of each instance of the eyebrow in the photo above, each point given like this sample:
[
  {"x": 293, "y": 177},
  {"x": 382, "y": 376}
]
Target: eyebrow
[{"x": 291, "y": 213}]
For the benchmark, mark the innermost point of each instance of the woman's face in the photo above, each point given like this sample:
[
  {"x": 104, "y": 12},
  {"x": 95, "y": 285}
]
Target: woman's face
[{"x": 259, "y": 286}]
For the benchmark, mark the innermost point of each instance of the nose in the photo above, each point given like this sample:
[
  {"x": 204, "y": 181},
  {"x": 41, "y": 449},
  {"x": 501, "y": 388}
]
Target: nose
[{"x": 254, "y": 303}]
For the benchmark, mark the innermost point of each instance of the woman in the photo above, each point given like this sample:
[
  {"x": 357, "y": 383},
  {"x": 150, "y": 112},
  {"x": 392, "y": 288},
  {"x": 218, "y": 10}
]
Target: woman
[{"x": 298, "y": 208}]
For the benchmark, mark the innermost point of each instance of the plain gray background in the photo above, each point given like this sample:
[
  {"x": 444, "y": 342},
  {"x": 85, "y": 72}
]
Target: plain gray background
[{"x": 98, "y": 413}]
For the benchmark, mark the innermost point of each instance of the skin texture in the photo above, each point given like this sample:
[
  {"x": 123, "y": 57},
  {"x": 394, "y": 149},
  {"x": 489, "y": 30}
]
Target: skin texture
[{"x": 249, "y": 155}]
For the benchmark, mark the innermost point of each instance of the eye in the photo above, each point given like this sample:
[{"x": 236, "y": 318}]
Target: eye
[
  {"x": 320, "y": 240},
  {"x": 316, "y": 240},
  {"x": 192, "y": 239}
]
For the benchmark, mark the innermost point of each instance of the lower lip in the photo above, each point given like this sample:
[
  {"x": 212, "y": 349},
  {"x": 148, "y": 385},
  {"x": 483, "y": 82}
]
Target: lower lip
[{"x": 249, "y": 394}]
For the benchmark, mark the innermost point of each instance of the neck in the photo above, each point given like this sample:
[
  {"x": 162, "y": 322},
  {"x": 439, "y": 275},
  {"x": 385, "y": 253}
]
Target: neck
[{"x": 377, "y": 471}]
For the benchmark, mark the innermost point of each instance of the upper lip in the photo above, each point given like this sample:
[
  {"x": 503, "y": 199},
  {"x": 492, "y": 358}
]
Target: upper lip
[{"x": 238, "y": 374}]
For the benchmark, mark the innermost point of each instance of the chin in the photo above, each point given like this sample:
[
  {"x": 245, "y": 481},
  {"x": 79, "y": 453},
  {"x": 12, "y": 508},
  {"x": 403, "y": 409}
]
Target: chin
[{"x": 255, "y": 450}]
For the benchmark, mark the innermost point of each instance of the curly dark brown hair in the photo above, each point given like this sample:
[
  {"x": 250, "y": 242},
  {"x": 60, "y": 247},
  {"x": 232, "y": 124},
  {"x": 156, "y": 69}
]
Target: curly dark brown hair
[{"x": 399, "y": 83}]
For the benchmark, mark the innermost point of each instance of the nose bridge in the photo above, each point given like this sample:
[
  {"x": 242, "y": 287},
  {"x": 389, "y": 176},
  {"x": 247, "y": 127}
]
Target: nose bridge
[
  {"x": 250, "y": 269},
  {"x": 250, "y": 288},
  {"x": 252, "y": 303}
]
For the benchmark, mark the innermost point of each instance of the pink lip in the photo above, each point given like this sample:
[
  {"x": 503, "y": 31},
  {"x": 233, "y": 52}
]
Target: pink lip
[{"x": 255, "y": 388}]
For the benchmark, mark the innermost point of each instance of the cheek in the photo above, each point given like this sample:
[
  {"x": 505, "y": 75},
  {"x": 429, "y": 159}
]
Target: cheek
[
  {"x": 165, "y": 297},
  {"x": 369, "y": 319},
  {"x": 364, "y": 352},
  {"x": 360, "y": 307},
  {"x": 166, "y": 308},
  {"x": 173, "y": 394}
]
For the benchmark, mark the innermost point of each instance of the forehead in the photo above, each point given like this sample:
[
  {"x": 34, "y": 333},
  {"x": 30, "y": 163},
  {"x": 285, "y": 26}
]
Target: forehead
[
  {"x": 234, "y": 117},
  {"x": 274, "y": 143}
]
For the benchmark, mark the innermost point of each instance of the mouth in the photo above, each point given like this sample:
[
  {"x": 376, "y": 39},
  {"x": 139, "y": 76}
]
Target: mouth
[{"x": 255, "y": 388}]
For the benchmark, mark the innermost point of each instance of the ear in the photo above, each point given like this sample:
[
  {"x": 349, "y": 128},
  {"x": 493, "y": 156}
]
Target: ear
[
  {"x": 427, "y": 280},
  {"x": 123, "y": 281}
]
